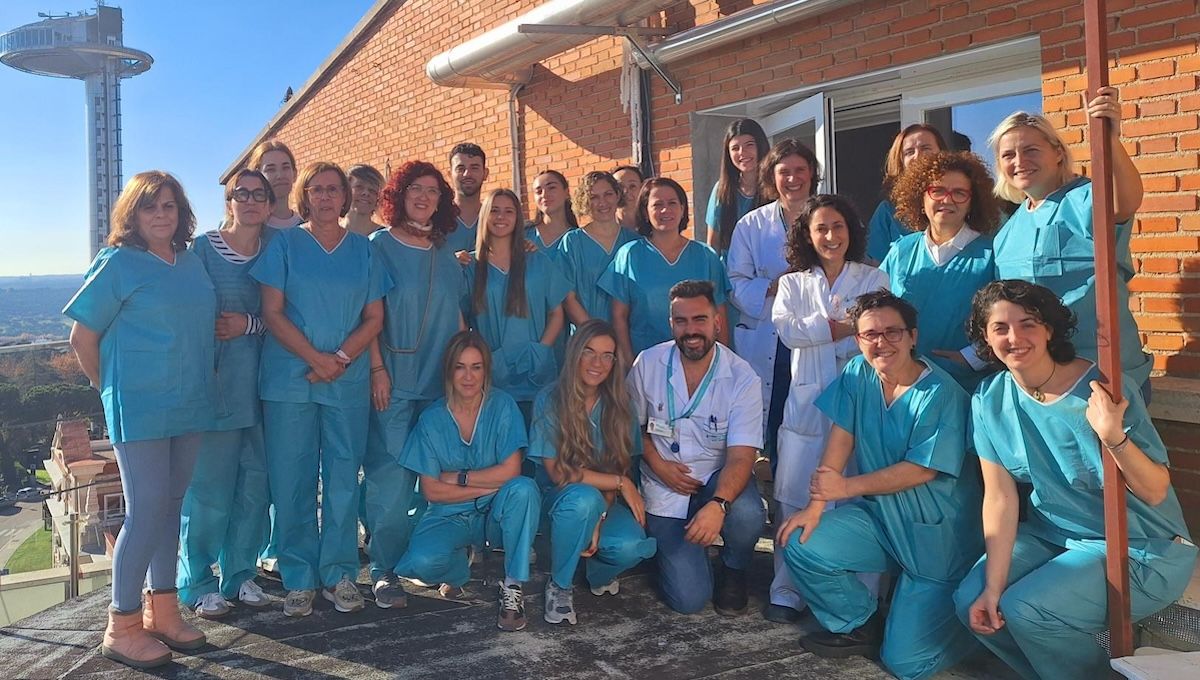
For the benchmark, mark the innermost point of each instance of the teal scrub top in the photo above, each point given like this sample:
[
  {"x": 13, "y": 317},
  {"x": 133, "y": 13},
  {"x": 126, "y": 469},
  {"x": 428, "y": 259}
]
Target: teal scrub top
[
  {"x": 1053, "y": 247},
  {"x": 543, "y": 435},
  {"x": 942, "y": 295},
  {"x": 435, "y": 446},
  {"x": 324, "y": 296},
  {"x": 583, "y": 261},
  {"x": 712, "y": 216},
  {"x": 641, "y": 277},
  {"x": 463, "y": 236},
  {"x": 1053, "y": 447},
  {"x": 521, "y": 364},
  {"x": 421, "y": 313},
  {"x": 157, "y": 341},
  {"x": 884, "y": 230},
  {"x": 237, "y": 361},
  {"x": 532, "y": 235},
  {"x": 934, "y": 527}
]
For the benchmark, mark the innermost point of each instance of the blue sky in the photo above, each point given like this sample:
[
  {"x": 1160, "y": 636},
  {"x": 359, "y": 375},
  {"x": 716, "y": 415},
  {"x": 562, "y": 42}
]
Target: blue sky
[{"x": 220, "y": 70}]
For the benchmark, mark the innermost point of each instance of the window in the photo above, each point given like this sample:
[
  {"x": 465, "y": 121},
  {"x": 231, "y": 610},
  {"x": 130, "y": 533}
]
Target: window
[{"x": 113, "y": 507}]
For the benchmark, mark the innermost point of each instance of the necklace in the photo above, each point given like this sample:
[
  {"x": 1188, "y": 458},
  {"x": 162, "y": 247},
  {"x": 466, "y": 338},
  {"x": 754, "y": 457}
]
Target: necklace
[{"x": 1037, "y": 392}]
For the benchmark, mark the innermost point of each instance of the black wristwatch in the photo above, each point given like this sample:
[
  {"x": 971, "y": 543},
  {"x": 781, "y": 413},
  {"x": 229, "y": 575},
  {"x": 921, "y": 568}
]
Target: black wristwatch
[
  {"x": 462, "y": 477},
  {"x": 721, "y": 502}
]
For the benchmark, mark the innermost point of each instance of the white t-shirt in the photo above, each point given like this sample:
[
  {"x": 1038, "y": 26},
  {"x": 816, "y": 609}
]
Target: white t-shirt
[{"x": 728, "y": 414}]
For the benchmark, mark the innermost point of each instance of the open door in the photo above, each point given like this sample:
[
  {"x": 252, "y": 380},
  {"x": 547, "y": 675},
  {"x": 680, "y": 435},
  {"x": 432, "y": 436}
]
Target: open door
[{"x": 809, "y": 121}]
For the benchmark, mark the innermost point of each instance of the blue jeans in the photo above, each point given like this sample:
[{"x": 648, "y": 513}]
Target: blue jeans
[{"x": 684, "y": 573}]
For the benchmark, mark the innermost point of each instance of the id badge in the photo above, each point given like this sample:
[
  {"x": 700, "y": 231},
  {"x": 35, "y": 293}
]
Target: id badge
[{"x": 658, "y": 426}]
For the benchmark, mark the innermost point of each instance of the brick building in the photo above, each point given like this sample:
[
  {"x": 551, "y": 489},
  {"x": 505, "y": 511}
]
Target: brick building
[
  {"x": 85, "y": 470},
  {"x": 415, "y": 77}
]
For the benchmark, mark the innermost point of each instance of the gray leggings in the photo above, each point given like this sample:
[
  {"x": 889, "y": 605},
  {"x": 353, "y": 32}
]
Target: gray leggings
[{"x": 154, "y": 476}]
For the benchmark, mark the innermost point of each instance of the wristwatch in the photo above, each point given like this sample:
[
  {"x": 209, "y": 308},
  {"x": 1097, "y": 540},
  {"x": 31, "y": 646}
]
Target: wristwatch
[
  {"x": 721, "y": 502},
  {"x": 462, "y": 477}
]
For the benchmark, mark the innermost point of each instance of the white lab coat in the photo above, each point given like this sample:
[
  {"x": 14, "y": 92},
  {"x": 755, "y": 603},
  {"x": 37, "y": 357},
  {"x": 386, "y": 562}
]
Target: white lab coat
[
  {"x": 803, "y": 306},
  {"x": 728, "y": 415},
  {"x": 756, "y": 258}
]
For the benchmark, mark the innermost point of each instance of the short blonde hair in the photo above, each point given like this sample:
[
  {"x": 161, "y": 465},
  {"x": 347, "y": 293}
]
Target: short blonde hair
[
  {"x": 1019, "y": 119},
  {"x": 300, "y": 198}
]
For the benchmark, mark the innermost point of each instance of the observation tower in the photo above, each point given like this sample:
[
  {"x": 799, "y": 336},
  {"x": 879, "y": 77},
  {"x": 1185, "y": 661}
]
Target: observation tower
[{"x": 86, "y": 47}]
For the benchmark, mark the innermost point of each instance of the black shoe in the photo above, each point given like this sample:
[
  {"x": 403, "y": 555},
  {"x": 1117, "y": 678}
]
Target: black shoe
[
  {"x": 777, "y": 613},
  {"x": 862, "y": 641},
  {"x": 729, "y": 597}
]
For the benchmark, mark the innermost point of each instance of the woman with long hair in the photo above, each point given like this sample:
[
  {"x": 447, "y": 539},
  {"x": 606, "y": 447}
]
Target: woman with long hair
[
  {"x": 643, "y": 271},
  {"x": 225, "y": 509},
  {"x": 467, "y": 449},
  {"x": 420, "y": 315},
  {"x": 276, "y": 162},
  {"x": 515, "y": 300},
  {"x": 1048, "y": 240},
  {"x": 1039, "y": 596},
  {"x": 911, "y": 143},
  {"x": 321, "y": 300},
  {"x": 737, "y": 190},
  {"x": 554, "y": 216},
  {"x": 946, "y": 200},
  {"x": 143, "y": 335},
  {"x": 585, "y": 437},
  {"x": 584, "y": 253},
  {"x": 757, "y": 259},
  {"x": 826, "y": 249}
]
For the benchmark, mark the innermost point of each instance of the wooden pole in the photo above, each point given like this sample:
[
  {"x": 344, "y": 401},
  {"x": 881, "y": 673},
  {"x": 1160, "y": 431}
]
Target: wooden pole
[{"x": 1116, "y": 529}]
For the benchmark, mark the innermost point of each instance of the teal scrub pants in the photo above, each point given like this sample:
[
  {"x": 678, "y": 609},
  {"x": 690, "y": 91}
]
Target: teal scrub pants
[
  {"x": 224, "y": 514},
  {"x": 437, "y": 552},
  {"x": 304, "y": 440},
  {"x": 1056, "y": 601},
  {"x": 387, "y": 487},
  {"x": 574, "y": 511},
  {"x": 922, "y": 635}
]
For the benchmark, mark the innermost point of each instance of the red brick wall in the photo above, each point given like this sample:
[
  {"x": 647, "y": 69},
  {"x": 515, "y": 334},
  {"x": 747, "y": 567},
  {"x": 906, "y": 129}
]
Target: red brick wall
[{"x": 378, "y": 106}]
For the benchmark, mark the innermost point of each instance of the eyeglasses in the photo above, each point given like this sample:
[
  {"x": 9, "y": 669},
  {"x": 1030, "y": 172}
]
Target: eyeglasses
[
  {"x": 889, "y": 334},
  {"x": 245, "y": 195},
  {"x": 940, "y": 193},
  {"x": 590, "y": 355},
  {"x": 330, "y": 190},
  {"x": 416, "y": 190}
]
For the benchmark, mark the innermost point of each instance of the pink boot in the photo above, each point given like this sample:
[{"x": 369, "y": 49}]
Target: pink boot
[
  {"x": 160, "y": 618},
  {"x": 127, "y": 642}
]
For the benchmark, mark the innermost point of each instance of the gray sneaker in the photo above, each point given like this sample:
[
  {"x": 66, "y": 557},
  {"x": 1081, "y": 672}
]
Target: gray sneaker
[
  {"x": 344, "y": 596},
  {"x": 607, "y": 589},
  {"x": 560, "y": 603},
  {"x": 299, "y": 602},
  {"x": 389, "y": 592}
]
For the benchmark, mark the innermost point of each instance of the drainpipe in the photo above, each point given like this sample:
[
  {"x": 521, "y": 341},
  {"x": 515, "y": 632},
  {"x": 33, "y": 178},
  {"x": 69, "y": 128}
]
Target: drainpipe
[{"x": 514, "y": 138}]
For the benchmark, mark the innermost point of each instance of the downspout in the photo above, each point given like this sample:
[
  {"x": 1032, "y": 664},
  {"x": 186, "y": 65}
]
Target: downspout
[{"x": 514, "y": 138}]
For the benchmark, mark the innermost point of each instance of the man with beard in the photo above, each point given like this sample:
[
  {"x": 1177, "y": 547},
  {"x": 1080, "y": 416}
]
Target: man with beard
[
  {"x": 468, "y": 172},
  {"x": 700, "y": 408}
]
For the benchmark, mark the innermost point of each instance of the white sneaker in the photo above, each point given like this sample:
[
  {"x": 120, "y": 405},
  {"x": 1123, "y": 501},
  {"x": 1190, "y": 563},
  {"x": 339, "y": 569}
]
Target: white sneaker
[
  {"x": 607, "y": 589},
  {"x": 212, "y": 606},
  {"x": 251, "y": 594},
  {"x": 344, "y": 596}
]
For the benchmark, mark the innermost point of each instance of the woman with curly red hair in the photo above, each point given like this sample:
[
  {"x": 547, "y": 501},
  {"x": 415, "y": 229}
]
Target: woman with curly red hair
[
  {"x": 946, "y": 199},
  {"x": 421, "y": 314}
]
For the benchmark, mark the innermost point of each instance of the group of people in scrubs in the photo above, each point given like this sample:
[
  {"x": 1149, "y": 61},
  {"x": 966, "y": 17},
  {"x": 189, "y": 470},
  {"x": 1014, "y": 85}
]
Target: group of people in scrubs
[{"x": 456, "y": 379}]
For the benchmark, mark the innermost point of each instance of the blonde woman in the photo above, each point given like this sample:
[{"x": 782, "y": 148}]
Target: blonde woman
[{"x": 585, "y": 436}]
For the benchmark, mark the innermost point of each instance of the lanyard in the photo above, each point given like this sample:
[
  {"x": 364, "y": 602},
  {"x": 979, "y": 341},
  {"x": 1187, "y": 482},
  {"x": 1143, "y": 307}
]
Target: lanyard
[{"x": 699, "y": 396}]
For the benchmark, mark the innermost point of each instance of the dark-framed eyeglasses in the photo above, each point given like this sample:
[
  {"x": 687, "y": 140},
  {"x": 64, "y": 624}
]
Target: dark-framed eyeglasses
[
  {"x": 889, "y": 334},
  {"x": 246, "y": 195}
]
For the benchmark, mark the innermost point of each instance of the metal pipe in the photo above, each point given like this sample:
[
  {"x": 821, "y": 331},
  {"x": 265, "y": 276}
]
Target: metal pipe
[
  {"x": 503, "y": 56},
  {"x": 514, "y": 138},
  {"x": 738, "y": 26}
]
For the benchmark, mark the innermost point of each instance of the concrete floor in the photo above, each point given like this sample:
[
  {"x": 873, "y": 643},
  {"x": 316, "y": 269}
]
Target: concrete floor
[{"x": 630, "y": 635}]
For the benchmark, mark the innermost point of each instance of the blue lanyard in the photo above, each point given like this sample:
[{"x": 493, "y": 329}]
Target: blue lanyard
[{"x": 699, "y": 391}]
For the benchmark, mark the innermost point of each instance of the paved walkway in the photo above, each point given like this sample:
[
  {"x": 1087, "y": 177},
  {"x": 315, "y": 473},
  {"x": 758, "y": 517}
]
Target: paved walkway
[
  {"x": 628, "y": 636},
  {"x": 17, "y": 524}
]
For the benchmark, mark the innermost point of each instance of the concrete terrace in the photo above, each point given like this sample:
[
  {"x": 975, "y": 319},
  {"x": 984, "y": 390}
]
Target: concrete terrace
[{"x": 631, "y": 635}]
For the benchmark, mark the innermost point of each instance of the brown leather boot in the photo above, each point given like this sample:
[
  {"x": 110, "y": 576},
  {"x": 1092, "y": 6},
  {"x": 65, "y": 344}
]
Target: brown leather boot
[
  {"x": 160, "y": 618},
  {"x": 127, "y": 642}
]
